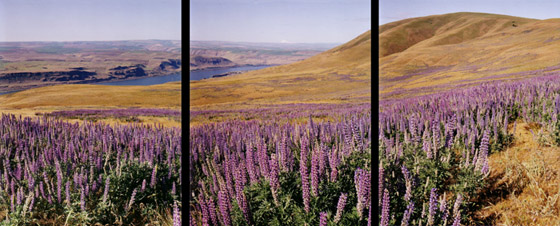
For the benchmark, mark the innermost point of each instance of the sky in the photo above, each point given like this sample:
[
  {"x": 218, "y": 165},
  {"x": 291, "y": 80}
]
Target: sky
[
  {"x": 279, "y": 21},
  {"x": 395, "y": 10},
  {"x": 89, "y": 20}
]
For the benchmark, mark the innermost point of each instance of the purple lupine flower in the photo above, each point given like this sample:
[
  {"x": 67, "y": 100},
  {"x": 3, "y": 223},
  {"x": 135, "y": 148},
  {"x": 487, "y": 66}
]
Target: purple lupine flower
[
  {"x": 333, "y": 163},
  {"x": 223, "y": 204},
  {"x": 176, "y": 215},
  {"x": 427, "y": 148},
  {"x": 19, "y": 196},
  {"x": 153, "y": 179},
  {"x": 274, "y": 184},
  {"x": 483, "y": 156},
  {"x": 58, "y": 182},
  {"x": 435, "y": 136},
  {"x": 443, "y": 209},
  {"x": 362, "y": 184},
  {"x": 212, "y": 211},
  {"x": 433, "y": 206},
  {"x": 506, "y": 123},
  {"x": 250, "y": 164},
  {"x": 314, "y": 174},
  {"x": 193, "y": 221},
  {"x": 173, "y": 189},
  {"x": 457, "y": 221},
  {"x": 369, "y": 216},
  {"x": 381, "y": 183},
  {"x": 106, "y": 191},
  {"x": 204, "y": 209},
  {"x": 83, "y": 200},
  {"x": 408, "y": 182},
  {"x": 385, "y": 209},
  {"x": 323, "y": 219},
  {"x": 144, "y": 185},
  {"x": 340, "y": 207},
  {"x": 68, "y": 192},
  {"x": 305, "y": 191},
  {"x": 240, "y": 196},
  {"x": 457, "y": 204},
  {"x": 32, "y": 202},
  {"x": 263, "y": 159},
  {"x": 12, "y": 202},
  {"x": 407, "y": 214},
  {"x": 304, "y": 173},
  {"x": 131, "y": 200}
]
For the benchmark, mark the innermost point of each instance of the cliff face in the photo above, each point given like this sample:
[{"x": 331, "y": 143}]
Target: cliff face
[
  {"x": 201, "y": 62},
  {"x": 170, "y": 64},
  {"x": 122, "y": 72},
  {"x": 11, "y": 81},
  {"x": 51, "y": 76}
]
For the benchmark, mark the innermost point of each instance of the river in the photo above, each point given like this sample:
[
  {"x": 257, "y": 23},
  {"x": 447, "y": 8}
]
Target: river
[
  {"x": 144, "y": 81},
  {"x": 207, "y": 73}
]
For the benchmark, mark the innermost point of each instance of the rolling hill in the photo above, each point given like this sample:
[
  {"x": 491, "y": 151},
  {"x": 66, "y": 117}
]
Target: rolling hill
[
  {"x": 341, "y": 74},
  {"x": 439, "y": 52}
]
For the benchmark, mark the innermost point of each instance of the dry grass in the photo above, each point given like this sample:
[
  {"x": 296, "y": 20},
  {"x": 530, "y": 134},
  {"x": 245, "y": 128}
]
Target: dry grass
[
  {"x": 524, "y": 184},
  {"x": 473, "y": 47},
  {"x": 71, "y": 97},
  {"x": 338, "y": 75}
]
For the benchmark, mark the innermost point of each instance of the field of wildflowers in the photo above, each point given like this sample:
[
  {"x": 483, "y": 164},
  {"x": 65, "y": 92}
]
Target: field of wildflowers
[
  {"x": 59, "y": 173},
  {"x": 433, "y": 149},
  {"x": 285, "y": 165}
]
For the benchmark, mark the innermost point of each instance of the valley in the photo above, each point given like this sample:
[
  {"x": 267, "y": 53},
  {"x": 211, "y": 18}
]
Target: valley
[
  {"x": 219, "y": 54},
  {"x": 25, "y": 65}
]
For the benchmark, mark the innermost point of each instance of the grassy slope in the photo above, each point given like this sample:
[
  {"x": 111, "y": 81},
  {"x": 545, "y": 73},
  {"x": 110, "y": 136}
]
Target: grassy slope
[
  {"x": 466, "y": 46},
  {"x": 341, "y": 74},
  {"x": 68, "y": 97},
  {"x": 524, "y": 184}
]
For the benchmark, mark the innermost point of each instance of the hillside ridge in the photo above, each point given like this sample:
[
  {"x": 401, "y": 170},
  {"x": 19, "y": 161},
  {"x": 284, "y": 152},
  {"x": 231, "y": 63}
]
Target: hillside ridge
[
  {"x": 428, "y": 54},
  {"x": 342, "y": 73}
]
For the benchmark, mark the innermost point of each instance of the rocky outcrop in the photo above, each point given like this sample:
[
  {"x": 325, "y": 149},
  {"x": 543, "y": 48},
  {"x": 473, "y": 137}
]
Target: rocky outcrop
[
  {"x": 122, "y": 72},
  {"x": 201, "y": 62},
  {"x": 170, "y": 64},
  {"x": 50, "y": 76}
]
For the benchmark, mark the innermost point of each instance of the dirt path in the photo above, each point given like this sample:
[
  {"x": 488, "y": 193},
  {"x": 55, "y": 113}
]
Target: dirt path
[{"x": 524, "y": 186}]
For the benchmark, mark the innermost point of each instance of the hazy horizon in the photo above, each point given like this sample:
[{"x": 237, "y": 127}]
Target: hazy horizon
[
  {"x": 325, "y": 43},
  {"x": 279, "y": 21},
  {"x": 395, "y": 10},
  {"x": 123, "y": 40},
  {"x": 82, "y": 20}
]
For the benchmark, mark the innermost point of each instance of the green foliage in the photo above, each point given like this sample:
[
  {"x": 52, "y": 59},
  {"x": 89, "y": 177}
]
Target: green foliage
[
  {"x": 291, "y": 211},
  {"x": 146, "y": 203}
]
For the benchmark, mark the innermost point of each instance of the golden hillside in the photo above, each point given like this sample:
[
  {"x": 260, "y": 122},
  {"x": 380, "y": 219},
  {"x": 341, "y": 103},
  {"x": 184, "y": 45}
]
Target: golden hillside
[
  {"x": 431, "y": 53},
  {"x": 341, "y": 74}
]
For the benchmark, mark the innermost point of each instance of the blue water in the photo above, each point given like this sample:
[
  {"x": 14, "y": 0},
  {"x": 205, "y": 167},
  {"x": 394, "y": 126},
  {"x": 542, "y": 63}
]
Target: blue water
[
  {"x": 2, "y": 93},
  {"x": 144, "y": 81},
  {"x": 207, "y": 73}
]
